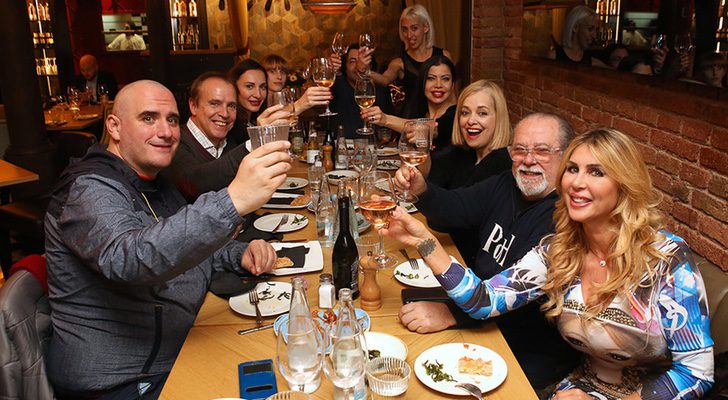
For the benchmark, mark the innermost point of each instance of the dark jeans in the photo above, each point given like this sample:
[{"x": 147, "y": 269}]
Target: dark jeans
[{"x": 147, "y": 388}]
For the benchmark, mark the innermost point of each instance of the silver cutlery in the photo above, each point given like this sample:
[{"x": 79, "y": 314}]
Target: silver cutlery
[
  {"x": 412, "y": 262},
  {"x": 254, "y": 300},
  {"x": 472, "y": 389},
  {"x": 284, "y": 220},
  {"x": 255, "y": 329}
]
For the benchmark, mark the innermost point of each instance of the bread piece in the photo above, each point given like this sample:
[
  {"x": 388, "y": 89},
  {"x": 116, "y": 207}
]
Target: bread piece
[
  {"x": 301, "y": 200},
  {"x": 283, "y": 262}
]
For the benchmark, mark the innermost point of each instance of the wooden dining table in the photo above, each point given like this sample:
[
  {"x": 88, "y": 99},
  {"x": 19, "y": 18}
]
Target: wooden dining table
[
  {"x": 207, "y": 366},
  {"x": 11, "y": 174},
  {"x": 88, "y": 116}
]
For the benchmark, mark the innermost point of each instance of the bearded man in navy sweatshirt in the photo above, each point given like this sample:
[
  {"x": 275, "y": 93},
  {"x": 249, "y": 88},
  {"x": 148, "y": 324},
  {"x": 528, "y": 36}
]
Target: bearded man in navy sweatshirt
[{"x": 510, "y": 213}]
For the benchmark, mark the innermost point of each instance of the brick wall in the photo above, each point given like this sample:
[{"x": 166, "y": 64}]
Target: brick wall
[{"x": 682, "y": 130}]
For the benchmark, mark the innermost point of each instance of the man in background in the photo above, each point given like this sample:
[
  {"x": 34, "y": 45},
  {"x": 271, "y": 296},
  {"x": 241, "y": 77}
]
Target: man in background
[{"x": 93, "y": 80}]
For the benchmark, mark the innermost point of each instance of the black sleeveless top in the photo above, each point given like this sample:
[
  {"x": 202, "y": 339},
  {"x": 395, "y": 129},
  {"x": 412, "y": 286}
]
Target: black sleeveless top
[
  {"x": 562, "y": 56},
  {"x": 412, "y": 72}
]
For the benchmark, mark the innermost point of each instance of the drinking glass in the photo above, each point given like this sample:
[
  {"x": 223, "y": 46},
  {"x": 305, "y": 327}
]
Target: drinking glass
[
  {"x": 103, "y": 94},
  {"x": 365, "y": 97},
  {"x": 74, "y": 100},
  {"x": 298, "y": 351},
  {"x": 339, "y": 47},
  {"x": 683, "y": 43},
  {"x": 323, "y": 74},
  {"x": 364, "y": 159},
  {"x": 286, "y": 98},
  {"x": 658, "y": 41},
  {"x": 414, "y": 147},
  {"x": 377, "y": 203},
  {"x": 263, "y": 134},
  {"x": 367, "y": 40}
]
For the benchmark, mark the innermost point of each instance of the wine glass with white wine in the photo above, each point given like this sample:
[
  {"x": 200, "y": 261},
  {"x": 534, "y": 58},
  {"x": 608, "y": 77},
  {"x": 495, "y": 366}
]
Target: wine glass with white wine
[
  {"x": 364, "y": 94},
  {"x": 323, "y": 74}
]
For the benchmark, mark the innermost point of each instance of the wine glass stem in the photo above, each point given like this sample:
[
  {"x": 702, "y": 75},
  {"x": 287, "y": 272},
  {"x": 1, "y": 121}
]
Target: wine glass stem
[{"x": 382, "y": 254}]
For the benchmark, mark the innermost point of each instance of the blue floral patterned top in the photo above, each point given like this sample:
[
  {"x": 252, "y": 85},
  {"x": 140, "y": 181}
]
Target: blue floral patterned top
[{"x": 653, "y": 339}]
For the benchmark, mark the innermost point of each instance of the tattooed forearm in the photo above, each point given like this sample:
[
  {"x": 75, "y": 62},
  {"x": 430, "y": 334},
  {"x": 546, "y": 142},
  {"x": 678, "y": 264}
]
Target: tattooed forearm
[{"x": 426, "y": 247}]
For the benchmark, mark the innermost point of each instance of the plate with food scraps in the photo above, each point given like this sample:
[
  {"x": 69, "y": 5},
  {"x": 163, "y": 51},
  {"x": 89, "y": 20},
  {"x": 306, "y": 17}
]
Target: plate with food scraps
[
  {"x": 333, "y": 176},
  {"x": 389, "y": 165},
  {"x": 313, "y": 261},
  {"x": 293, "y": 183},
  {"x": 384, "y": 345},
  {"x": 274, "y": 298},
  {"x": 387, "y": 151},
  {"x": 268, "y": 222},
  {"x": 288, "y": 201},
  {"x": 421, "y": 277},
  {"x": 442, "y": 367}
]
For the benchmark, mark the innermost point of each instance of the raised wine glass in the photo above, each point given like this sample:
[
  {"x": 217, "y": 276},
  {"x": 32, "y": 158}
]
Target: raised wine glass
[
  {"x": 287, "y": 99},
  {"x": 298, "y": 351},
  {"x": 683, "y": 43},
  {"x": 323, "y": 74},
  {"x": 363, "y": 159},
  {"x": 377, "y": 203},
  {"x": 366, "y": 40},
  {"x": 339, "y": 47},
  {"x": 364, "y": 94},
  {"x": 414, "y": 147}
]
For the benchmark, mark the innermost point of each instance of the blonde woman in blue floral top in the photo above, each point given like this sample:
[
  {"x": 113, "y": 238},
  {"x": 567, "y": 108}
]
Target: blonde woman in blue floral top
[{"x": 621, "y": 291}]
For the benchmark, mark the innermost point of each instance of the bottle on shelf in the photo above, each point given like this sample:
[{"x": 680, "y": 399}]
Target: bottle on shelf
[
  {"x": 312, "y": 150},
  {"x": 39, "y": 66},
  {"x": 344, "y": 257},
  {"x": 32, "y": 14},
  {"x": 182, "y": 8},
  {"x": 36, "y": 39},
  {"x": 49, "y": 38},
  {"x": 175, "y": 9},
  {"x": 342, "y": 155},
  {"x": 192, "y": 8}
]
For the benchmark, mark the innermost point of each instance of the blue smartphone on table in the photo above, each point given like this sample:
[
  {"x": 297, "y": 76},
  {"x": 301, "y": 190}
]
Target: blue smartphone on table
[{"x": 257, "y": 379}]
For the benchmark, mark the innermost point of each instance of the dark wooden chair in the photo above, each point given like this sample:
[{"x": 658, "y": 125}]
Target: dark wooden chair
[{"x": 21, "y": 222}]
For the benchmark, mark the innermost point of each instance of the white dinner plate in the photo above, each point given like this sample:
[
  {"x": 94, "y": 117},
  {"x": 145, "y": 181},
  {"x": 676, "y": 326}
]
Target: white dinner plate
[
  {"x": 388, "y": 345},
  {"x": 389, "y": 165},
  {"x": 295, "y": 222},
  {"x": 448, "y": 355},
  {"x": 422, "y": 277},
  {"x": 293, "y": 183},
  {"x": 314, "y": 260},
  {"x": 81, "y": 117},
  {"x": 334, "y": 176},
  {"x": 275, "y": 298},
  {"x": 283, "y": 195},
  {"x": 387, "y": 151}
]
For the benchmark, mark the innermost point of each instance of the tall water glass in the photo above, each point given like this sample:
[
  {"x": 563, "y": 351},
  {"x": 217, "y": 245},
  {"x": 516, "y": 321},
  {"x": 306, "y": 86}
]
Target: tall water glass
[{"x": 299, "y": 352}]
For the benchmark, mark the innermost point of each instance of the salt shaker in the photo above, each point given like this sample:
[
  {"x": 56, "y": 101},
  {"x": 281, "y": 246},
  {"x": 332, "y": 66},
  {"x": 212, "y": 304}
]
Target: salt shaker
[{"x": 327, "y": 292}]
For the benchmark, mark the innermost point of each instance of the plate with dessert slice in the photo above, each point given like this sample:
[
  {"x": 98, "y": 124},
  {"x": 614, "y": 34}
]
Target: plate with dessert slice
[{"x": 444, "y": 366}]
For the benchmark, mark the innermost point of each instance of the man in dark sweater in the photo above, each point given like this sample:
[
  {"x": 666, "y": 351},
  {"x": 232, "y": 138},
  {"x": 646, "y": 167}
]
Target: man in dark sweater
[
  {"x": 93, "y": 79},
  {"x": 206, "y": 158},
  {"x": 509, "y": 213}
]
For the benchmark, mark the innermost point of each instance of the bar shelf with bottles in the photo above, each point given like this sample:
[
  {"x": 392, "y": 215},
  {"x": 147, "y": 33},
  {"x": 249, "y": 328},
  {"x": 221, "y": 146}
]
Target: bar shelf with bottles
[
  {"x": 46, "y": 68},
  {"x": 185, "y": 24},
  {"x": 721, "y": 35},
  {"x": 608, "y": 12}
]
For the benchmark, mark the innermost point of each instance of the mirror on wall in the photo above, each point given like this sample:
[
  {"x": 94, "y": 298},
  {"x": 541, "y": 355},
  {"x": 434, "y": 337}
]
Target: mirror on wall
[
  {"x": 125, "y": 31},
  {"x": 678, "y": 40}
]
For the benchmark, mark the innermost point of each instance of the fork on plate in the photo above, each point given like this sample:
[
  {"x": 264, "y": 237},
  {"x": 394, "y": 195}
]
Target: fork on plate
[
  {"x": 412, "y": 262},
  {"x": 472, "y": 389},
  {"x": 254, "y": 300}
]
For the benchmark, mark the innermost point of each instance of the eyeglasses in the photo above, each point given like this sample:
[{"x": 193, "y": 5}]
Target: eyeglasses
[{"x": 540, "y": 153}]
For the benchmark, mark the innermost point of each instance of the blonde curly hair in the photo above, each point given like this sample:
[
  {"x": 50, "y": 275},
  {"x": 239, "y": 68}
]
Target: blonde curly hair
[{"x": 632, "y": 255}]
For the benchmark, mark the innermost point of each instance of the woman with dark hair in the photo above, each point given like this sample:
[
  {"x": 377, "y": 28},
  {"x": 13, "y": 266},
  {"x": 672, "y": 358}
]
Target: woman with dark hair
[
  {"x": 621, "y": 290},
  {"x": 251, "y": 82},
  {"x": 436, "y": 101}
]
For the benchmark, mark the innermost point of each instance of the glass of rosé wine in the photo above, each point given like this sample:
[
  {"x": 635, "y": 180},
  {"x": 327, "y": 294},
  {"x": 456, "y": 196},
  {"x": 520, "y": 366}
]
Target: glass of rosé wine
[{"x": 376, "y": 204}]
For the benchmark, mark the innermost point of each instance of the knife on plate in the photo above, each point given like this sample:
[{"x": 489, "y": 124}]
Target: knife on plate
[{"x": 255, "y": 329}]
